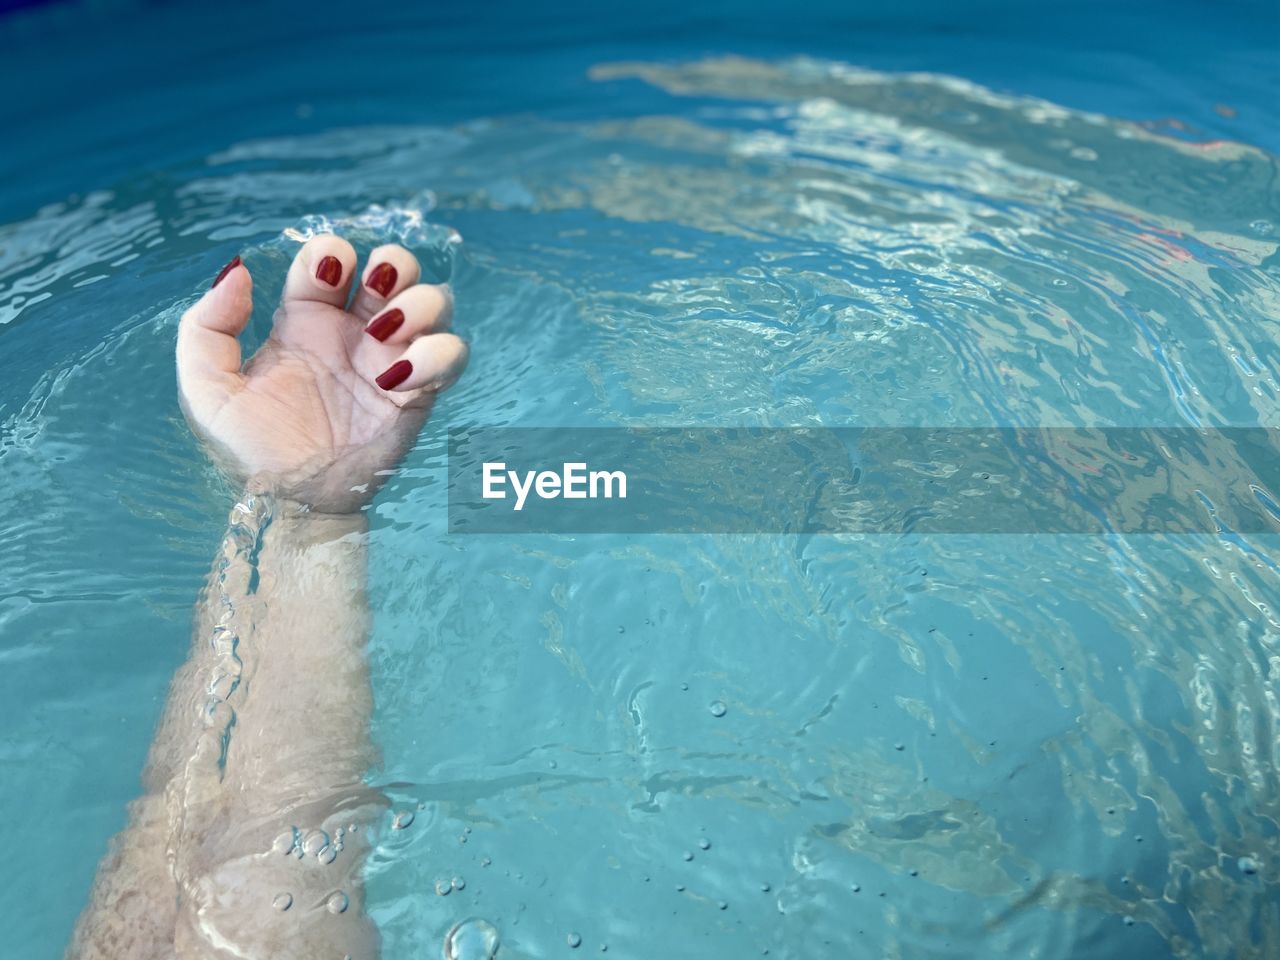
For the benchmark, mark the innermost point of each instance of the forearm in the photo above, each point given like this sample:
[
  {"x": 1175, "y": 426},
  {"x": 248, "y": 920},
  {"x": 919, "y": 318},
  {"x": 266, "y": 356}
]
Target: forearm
[
  {"x": 303, "y": 703},
  {"x": 265, "y": 740},
  {"x": 275, "y": 700}
]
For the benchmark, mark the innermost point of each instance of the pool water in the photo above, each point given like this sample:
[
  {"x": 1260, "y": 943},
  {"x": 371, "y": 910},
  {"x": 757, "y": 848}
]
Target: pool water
[{"x": 681, "y": 746}]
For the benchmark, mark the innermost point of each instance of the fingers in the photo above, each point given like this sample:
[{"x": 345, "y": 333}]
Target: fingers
[
  {"x": 321, "y": 272},
  {"x": 432, "y": 363},
  {"x": 207, "y": 344},
  {"x": 391, "y": 269},
  {"x": 420, "y": 310}
]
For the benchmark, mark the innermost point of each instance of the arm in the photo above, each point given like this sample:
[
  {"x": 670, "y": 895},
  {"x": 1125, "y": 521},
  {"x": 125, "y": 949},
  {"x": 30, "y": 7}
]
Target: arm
[{"x": 250, "y": 838}]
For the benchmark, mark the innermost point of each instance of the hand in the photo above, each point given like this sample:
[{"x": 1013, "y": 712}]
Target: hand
[{"x": 338, "y": 393}]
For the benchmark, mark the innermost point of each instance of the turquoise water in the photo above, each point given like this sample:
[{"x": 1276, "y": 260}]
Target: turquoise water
[{"x": 948, "y": 746}]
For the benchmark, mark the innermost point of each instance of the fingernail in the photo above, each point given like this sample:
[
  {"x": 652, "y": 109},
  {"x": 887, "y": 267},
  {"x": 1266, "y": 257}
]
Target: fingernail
[
  {"x": 395, "y": 375},
  {"x": 235, "y": 262},
  {"x": 329, "y": 271},
  {"x": 385, "y": 325},
  {"x": 382, "y": 279}
]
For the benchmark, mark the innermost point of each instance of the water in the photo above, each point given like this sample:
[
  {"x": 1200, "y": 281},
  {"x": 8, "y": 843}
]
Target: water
[{"x": 892, "y": 747}]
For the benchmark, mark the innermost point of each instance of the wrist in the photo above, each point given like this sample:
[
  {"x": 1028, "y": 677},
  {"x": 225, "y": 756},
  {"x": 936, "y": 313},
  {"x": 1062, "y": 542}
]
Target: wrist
[{"x": 287, "y": 520}]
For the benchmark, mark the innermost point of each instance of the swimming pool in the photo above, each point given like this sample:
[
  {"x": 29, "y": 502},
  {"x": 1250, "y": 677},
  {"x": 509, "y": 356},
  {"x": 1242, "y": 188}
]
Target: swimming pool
[{"x": 964, "y": 745}]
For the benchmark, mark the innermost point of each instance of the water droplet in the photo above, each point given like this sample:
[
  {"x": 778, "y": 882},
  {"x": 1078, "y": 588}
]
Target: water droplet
[
  {"x": 337, "y": 902},
  {"x": 1247, "y": 865},
  {"x": 717, "y": 708},
  {"x": 723, "y": 905},
  {"x": 679, "y": 888},
  {"x": 458, "y": 883},
  {"x": 688, "y": 855},
  {"x": 899, "y": 747},
  {"x": 327, "y": 855},
  {"x": 857, "y": 888},
  {"x": 282, "y": 901},
  {"x": 704, "y": 843},
  {"x": 402, "y": 820},
  {"x": 443, "y": 888},
  {"x": 573, "y": 940},
  {"x": 915, "y": 873},
  {"x": 472, "y": 939},
  {"x": 485, "y": 862},
  {"x": 1128, "y": 921},
  {"x": 684, "y": 686}
]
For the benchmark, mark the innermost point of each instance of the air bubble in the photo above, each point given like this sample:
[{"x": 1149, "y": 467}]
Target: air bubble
[
  {"x": 723, "y": 905},
  {"x": 717, "y": 708},
  {"x": 1128, "y": 921},
  {"x": 765, "y": 888},
  {"x": 337, "y": 902},
  {"x": 327, "y": 855},
  {"x": 402, "y": 820},
  {"x": 1247, "y": 865},
  {"x": 688, "y": 855},
  {"x": 471, "y": 939},
  {"x": 574, "y": 940},
  {"x": 282, "y": 901},
  {"x": 284, "y": 843},
  {"x": 704, "y": 843},
  {"x": 458, "y": 883},
  {"x": 314, "y": 842},
  {"x": 443, "y": 888}
]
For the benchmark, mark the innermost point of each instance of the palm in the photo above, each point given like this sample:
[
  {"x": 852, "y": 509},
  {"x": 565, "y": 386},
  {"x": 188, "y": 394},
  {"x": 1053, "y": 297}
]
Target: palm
[{"x": 305, "y": 413}]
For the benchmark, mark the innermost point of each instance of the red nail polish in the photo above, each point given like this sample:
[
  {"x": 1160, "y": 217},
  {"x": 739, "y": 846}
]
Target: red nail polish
[
  {"x": 329, "y": 271},
  {"x": 382, "y": 279},
  {"x": 235, "y": 262},
  {"x": 395, "y": 375},
  {"x": 385, "y": 325}
]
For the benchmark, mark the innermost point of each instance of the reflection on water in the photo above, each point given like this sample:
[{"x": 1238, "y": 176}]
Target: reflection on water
[{"x": 944, "y": 746}]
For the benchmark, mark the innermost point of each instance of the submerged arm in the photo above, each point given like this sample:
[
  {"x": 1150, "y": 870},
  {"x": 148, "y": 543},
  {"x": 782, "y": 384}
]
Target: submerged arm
[
  {"x": 250, "y": 837},
  {"x": 255, "y": 800}
]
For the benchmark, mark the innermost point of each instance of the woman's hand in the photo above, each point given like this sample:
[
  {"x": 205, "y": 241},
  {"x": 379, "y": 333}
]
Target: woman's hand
[{"x": 338, "y": 392}]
